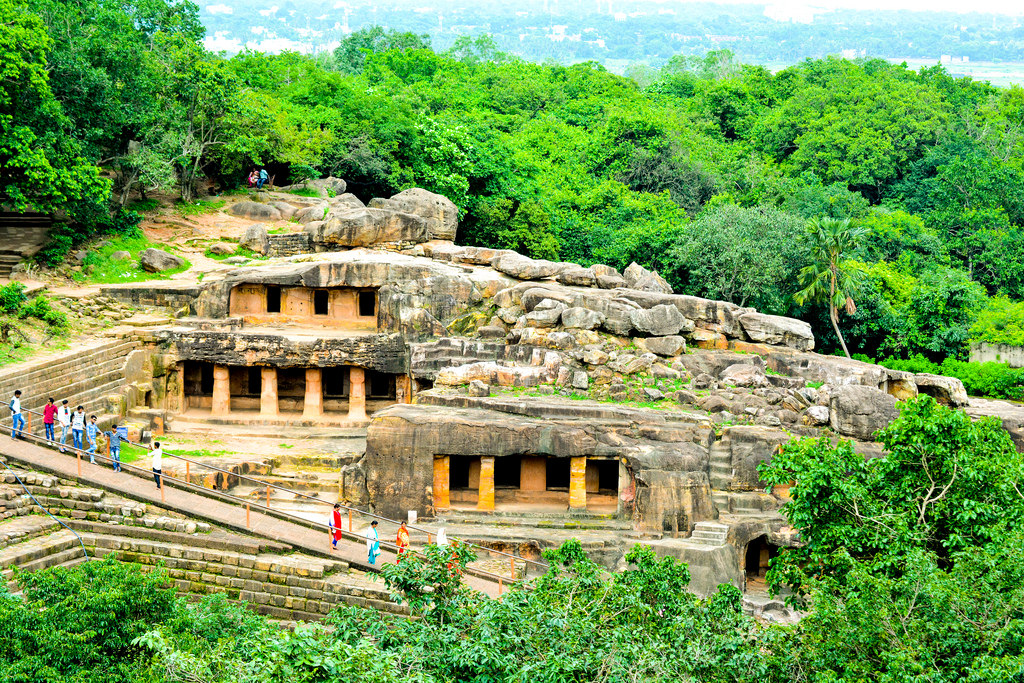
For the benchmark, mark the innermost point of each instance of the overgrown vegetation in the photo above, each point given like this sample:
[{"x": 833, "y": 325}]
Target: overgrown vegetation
[{"x": 100, "y": 265}]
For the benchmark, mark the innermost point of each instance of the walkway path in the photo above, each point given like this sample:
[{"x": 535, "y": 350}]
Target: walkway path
[{"x": 197, "y": 506}]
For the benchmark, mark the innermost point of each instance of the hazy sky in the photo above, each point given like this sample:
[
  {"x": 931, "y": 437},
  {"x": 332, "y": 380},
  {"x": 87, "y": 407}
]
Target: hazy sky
[{"x": 1001, "y": 6}]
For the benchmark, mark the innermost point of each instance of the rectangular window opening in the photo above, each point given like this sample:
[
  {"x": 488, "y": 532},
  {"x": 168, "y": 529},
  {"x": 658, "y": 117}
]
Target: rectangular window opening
[
  {"x": 320, "y": 302},
  {"x": 273, "y": 299},
  {"x": 367, "y": 304}
]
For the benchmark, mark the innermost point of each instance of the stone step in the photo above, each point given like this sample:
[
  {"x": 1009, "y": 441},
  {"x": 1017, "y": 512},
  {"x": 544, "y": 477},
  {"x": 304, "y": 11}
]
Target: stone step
[
  {"x": 24, "y": 528},
  {"x": 711, "y": 535},
  {"x": 179, "y": 425},
  {"x": 65, "y": 364},
  {"x": 218, "y": 540},
  {"x": 21, "y": 554}
]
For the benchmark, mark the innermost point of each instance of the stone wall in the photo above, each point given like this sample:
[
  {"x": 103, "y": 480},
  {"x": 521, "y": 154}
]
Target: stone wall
[
  {"x": 171, "y": 295},
  {"x": 983, "y": 352}
]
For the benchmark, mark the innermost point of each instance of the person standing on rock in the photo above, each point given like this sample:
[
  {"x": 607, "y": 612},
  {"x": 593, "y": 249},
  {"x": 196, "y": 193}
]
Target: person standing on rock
[
  {"x": 78, "y": 427},
  {"x": 64, "y": 420},
  {"x": 91, "y": 431},
  {"x": 335, "y": 526},
  {"x": 158, "y": 457},
  {"x": 402, "y": 541},
  {"x": 372, "y": 543},
  {"x": 114, "y": 439},
  {"x": 49, "y": 413},
  {"x": 17, "y": 419}
]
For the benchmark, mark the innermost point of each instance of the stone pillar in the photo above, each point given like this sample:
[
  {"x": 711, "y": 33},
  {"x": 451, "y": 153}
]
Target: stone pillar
[
  {"x": 442, "y": 479},
  {"x": 403, "y": 389},
  {"x": 578, "y": 483},
  {"x": 356, "y": 394},
  {"x": 485, "y": 499},
  {"x": 313, "y": 405},
  {"x": 268, "y": 392},
  {"x": 221, "y": 390}
]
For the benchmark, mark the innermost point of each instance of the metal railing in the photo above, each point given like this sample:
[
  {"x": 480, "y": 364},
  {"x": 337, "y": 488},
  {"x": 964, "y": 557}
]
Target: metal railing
[{"x": 249, "y": 505}]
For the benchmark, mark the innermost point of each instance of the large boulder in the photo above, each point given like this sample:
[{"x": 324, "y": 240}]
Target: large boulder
[
  {"x": 660, "y": 321},
  {"x": 860, "y": 411},
  {"x": 255, "y": 211},
  {"x": 525, "y": 268},
  {"x": 668, "y": 346},
  {"x": 638, "y": 277},
  {"x": 949, "y": 391},
  {"x": 744, "y": 375},
  {"x": 775, "y": 329},
  {"x": 581, "y": 318},
  {"x": 256, "y": 239},
  {"x": 440, "y": 213},
  {"x": 577, "y": 277},
  {"x": 363, "y": 227},
  {"x": 157, "y": 261}
]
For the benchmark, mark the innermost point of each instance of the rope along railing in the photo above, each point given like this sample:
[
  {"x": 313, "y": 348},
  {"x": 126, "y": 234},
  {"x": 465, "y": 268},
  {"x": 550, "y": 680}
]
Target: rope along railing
[{"x": 268, "y": 487}]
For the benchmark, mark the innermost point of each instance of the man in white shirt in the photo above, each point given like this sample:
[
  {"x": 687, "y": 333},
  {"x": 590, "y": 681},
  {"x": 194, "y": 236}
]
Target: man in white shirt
[
  {"x": 78, "y": 427},
  {"x": 64, "y": 420},
  {"x": 17, "y": 419},
  {"x": 158, "y": 456}
]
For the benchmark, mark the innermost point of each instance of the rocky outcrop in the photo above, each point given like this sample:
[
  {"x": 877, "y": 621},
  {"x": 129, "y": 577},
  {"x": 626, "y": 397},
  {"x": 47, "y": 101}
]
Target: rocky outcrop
[
  {"x": 439, "y": 213},
  {"x": 363, "y": 227},
  {"x": 949, "y": 391},
  {"x": 774, "y": 329},
  {"x": 860, "y": 411},
  {"x": 255, "y": 211},
  {"x": 256, "y": 239},
  {"x": 638, "y": 277},
  {"x": 741, "y": 449}
]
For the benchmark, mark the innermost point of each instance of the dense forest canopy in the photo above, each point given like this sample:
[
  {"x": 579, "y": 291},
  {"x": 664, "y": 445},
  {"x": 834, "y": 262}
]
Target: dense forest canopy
[{"x": 710, "y": 173}]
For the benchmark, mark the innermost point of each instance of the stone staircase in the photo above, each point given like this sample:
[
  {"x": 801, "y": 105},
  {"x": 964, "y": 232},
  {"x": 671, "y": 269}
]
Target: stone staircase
[
  {"x": 265, "y": 574},
  {"x": 290, "y": 244},
  {"x": 744, "y": 502},
  {"x": 83, "y": 377},
  {"x": 709, "y": 533},
  {"x": 8, "y": 260}
]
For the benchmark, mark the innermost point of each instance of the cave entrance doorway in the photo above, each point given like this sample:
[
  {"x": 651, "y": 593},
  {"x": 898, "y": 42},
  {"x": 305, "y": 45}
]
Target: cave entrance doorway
[{"x": 757, "y": 558}]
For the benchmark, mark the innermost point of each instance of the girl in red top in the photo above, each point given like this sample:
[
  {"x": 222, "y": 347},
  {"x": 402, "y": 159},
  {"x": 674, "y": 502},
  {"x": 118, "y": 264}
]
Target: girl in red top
[{"x": 335, "y": 526}]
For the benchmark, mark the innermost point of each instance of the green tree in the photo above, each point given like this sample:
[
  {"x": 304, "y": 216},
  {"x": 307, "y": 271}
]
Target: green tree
[{"x": 832, "y": 276}]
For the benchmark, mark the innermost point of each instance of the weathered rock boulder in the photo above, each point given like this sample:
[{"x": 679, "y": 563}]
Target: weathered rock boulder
[
  {"x": 121, "y": 255},
  {"x": 366, "y": 227},
  {"x": 860, "y": 411},
  {"x": 775, "y": 329},
  {"x": 581, "y": 318},
  {"x": 439, "y": 213},
  {"x": 744, "y": 375},
  {"x": 286, "y": 209},
  {"x": 817, "y": 416},
  {"x": 577, "y": 277},
  {"x": 525, "y": 268},
  {"x": 638, "y": 277},
  {"x": 256, "y": 238},
  {"x": 743, "y": 448},
  {"x": 668, "y": 346},
  {"x": 156, "y": 261},
  {"x": 222, "y": 248},
  {"x": 949, "y": 391},
  {"x": 254, "y": 211},
  {"x": 660, "y": 321}
]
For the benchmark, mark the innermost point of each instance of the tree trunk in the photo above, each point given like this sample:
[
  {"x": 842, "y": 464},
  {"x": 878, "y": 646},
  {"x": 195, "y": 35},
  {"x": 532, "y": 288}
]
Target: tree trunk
[{"x": 834, "y": 317}]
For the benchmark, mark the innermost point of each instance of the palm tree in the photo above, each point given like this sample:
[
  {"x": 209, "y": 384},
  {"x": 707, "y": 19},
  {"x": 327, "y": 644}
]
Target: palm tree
[{"x": 832, "y": 275}]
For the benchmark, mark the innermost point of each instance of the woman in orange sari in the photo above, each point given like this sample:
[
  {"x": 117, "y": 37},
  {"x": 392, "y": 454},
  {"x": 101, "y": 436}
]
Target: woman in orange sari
[
  {"x": 335, "y": 526},
  {"x": 402, "y": 541}
]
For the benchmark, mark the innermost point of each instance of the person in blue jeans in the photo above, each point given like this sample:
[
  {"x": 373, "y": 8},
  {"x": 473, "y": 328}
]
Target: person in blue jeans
[
  {"x": 91, "y": 430},
  {"x": 78, "y": 426},
  {"x": 17, "y": 419},
  {"x": 263, "y": 178},
  {"x": 115, "y": 446}
]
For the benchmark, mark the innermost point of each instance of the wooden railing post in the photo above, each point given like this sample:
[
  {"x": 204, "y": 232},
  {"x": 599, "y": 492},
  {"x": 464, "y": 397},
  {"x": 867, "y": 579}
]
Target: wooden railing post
[
  {"x": 350, "y": 520},
  {"x": 247, "y": 524},
  {"x": 188, "y": 476},
  {"x": 268, "y": 496},
  {"x": 79, "y": 454}
]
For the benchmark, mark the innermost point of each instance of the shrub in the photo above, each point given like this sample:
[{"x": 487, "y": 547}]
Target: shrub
[
  {"x": 915, "y": 364},
  {"x": 997, "y": 380},
  {"x": 12, "y": 296}
]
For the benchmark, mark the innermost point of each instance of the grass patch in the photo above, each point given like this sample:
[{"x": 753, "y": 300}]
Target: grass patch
[
  {"x": 99, "y": 267},
  {"x": 304, "y": 192},
  {"x": 815, "y": 385},
  {"x": 200, "y": 206},
  {"x": 286, "y": 445},
  {"x": 15, "y": 353},
  {"x": 144, "y": 205},
  {"x": 196, "y": 452},
  {"x": 280, "y": 231}
]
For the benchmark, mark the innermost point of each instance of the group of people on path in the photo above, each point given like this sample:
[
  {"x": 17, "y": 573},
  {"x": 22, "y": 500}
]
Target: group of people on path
[
  {"x": 82, "y": 430},
  {"x": 402, "y": 540}
]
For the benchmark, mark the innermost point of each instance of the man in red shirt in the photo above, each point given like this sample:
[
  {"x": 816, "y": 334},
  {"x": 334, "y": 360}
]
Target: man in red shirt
[{"x": 49, "y": 411}]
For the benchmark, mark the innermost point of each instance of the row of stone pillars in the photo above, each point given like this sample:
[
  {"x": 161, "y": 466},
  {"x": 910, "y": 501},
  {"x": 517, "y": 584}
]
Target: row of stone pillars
[
  {"x": 313, "y": 403},
  {"x": 485, "y": 496}
]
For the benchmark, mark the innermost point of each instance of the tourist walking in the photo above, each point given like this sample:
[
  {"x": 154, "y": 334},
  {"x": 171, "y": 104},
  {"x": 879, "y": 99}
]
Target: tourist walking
[
  {"x": 158, "y": 456},
  {"x": 402, "y": 541},
  {"x": 49, "y": 413},
  {"x": 78, "y": 427},
  {"x": 17, "y": 419},
  {"x": 335, "y": 526},
  {"x": 372, "y": 543},
  {"x": 91, "y": 430},
  {"x": 64, "y": 420},
  {"x": 114, "y": 439}
]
